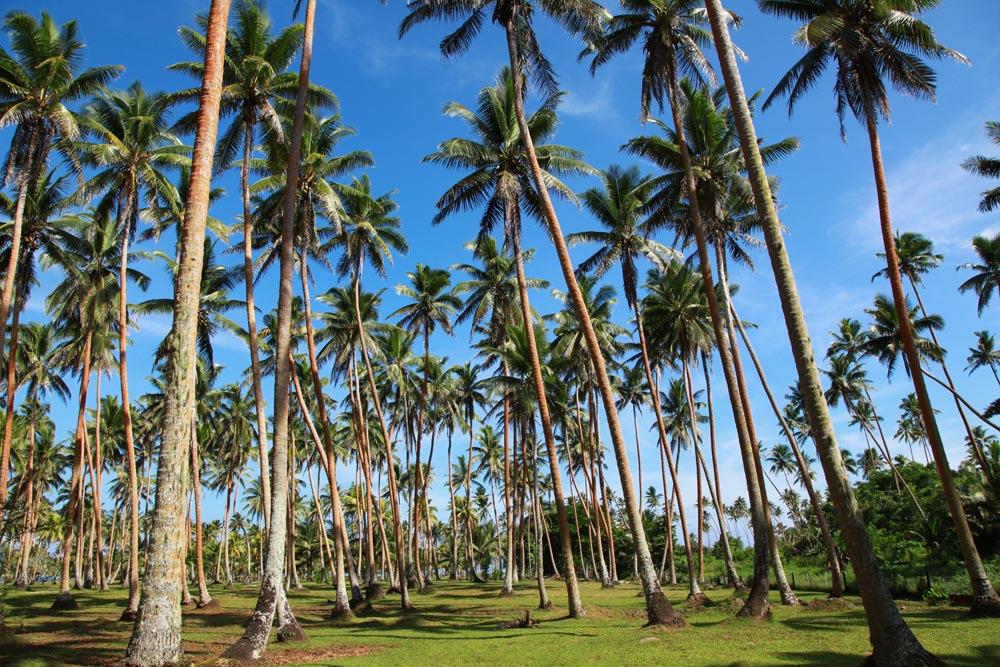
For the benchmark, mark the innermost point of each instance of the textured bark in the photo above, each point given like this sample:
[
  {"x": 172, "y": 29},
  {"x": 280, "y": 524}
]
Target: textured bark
[
  {"x": 252, "y": 644},
  {"x": 985, "y": 599},
  {"x": 507, "y": 590},
  {"x": 658, "y": 609},
  {"x": 8, "y": 422},
  {"x": 156, "y": 636},
  {"x": 893, "y": 644},
  {"x": 204, "y": 597}
]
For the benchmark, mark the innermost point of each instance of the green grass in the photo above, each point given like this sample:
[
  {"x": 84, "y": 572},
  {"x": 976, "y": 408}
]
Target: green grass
[{"x": 456, "y": 625}]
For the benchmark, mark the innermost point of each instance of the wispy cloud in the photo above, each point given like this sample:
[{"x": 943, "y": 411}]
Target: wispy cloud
[{"x": 929, "y": 191}]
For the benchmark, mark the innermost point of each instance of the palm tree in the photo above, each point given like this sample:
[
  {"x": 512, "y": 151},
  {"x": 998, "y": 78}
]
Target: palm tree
[
  {"x": 156, "y": 637},
  {"x": 578, "y": 17},
  {"x": 985, "y": 353},
  {"x": 431, "y": 307},
  {"x": 500, "y": 183},
  {"x": 131, "y": 151},
  {"x": 871, "y": 42},
  {"x": 986, "y": 281},
  {"x": 37, "y": 80},
  {"x": 673, "y": 36},
  {"x": 255, "y": 79},
  {"x": 988, "y": 167},
  {"x": 370, "y": 233}
]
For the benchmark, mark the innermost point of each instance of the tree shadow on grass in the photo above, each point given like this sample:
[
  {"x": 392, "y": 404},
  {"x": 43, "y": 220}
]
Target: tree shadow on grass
[{"x": 986, "y": 654}]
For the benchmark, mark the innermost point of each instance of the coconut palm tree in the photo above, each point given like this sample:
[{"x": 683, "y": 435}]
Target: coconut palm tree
[
  {"x": 986, "y": 281},
  {"x": 370, "y": 234},
  {"x": 132, "y": 149},
  {"x": 988, "y": 167},
  {"x": 156, "y": 637},
  {"x": 38, "y": 78},
  {"x": 673, "y": 35},
  {"x": 579, "y": 17},
  {"x": 873, "y": 42},
  {"x": 985, "y": 353},
  {"x": 500, "y": 183}
]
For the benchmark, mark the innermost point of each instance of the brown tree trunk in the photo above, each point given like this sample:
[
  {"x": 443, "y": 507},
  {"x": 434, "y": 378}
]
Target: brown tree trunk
[
  {"x": 204, "y": 597},
  {"x": 156, "y": 636},
  {"x": 893, "y": 644},
  {"x": 985, "y": 599}
]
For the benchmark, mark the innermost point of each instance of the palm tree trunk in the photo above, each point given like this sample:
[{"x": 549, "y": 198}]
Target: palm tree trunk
[
  {"x": 757, "y": 605},
  {"x": 102, "y": 582},
  {"x": 389, "y": 458},
  {"x": 65, "y": 599},
  {"x": 837, "y": 590},
  {"x": 453, "y": 566},
  {"x": 27, "y": 536},
  {"x": 507, "y": 589},
  {"x": 204, "y": 597},
  {"x": 255, "y": 372},
  {"x": 252, "y": 644},
  {"x": 658, "y": 609},
  {"x": 985, "y": 599},
  {"x": 8, "y": 289},
  {"x": 574, "y": 603},
  {"x": 893, "y": 644},
  {"x": 342, "y": 606},
  {"x": 8, "y": 422},
  {"x": 964, "y": 402},
  {"x": 784, "y": 589}
]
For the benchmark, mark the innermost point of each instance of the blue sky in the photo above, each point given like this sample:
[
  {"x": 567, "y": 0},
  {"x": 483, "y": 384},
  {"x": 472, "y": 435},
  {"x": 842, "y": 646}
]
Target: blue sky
[{"x": 393, "y": 91}]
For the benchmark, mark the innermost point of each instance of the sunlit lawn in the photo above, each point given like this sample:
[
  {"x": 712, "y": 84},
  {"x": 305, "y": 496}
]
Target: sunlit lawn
[{"x": 457, "y": 625}]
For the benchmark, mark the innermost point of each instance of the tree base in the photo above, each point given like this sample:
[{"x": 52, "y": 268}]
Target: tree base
[
  {"x": 291, "y": 632},
  {"x": 698, "y": 600},
  {"x": 360, "y": 605},
  {"x": 128, "y": 616},
  {"x": 424, "y": 590},
  {"x": 506, "y": 592},
  {"x": 756, "y": 608},
  {"x": 607, "y": 583},
  {"x": 210, "y": 606},
  {"x": 64, "y": 602},
  {"x": 374, "y": 592},
  {"x": 548, "y": 606},
  {"x": 661, "y": 614},
  {"x": 986, "y": 607},
  {"x": 341, "y": 613},
  {"x": 918, "y": 657},
  {"x": 788, "y": 598}
]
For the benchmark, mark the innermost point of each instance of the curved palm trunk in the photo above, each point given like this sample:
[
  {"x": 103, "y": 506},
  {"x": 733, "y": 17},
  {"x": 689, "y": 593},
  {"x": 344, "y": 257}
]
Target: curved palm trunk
[
  {"x": 694, "y": 592},
  {"x": 575, "y": 604},
  {"x": 255, "y": 372},
  {"x": 156, "y": 636},
  {"x": 8, "y": 422},
  {"x": 757, "y": 605},
  {"x": 252, "y": 644},
  {"x": 784, "y": 589},
  {"x": 893, "y": 644},
  {"x": 658, "y": 608},
  {"x": 985, "y": 599},
  {"x": 65, "y": 599},
  {"x": 387, "y": 439},
  {"x": 8, "y": 293},
  {"x": 732, "y": 576},
  {"x": 204, "y": 597},
  {"x": 342, "y": 606}
]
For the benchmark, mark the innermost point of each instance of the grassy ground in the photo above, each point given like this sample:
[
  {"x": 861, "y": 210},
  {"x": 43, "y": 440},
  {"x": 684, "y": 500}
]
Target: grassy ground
[{"x": 457, "y": 625}]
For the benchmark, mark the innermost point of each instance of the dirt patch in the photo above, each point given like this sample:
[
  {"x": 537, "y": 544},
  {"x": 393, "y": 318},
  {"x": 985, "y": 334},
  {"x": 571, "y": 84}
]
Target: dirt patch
[
  {"x": 300, "y": 656},
  {"x": 829, "y": 604}
]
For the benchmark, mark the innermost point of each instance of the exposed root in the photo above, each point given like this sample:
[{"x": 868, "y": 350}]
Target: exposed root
[
  {"x": 128, "y": 616},
  {"x": 291, "y": 632},
  {"x": 660, "y": 613},
  {"x": 506, "y": 593},
  {"x": 375, "y": 592},
  {"x": 985, "y": 608},
  {"x": 209, "y": 607},
  {"x": 525, "y": 622}
]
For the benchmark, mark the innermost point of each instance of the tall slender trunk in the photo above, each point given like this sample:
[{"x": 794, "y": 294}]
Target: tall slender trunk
[
  {"x": 985, "y": 599},
  {"x": 102, "y": 582},
  {"x": 252, "y": 644},
  {"x": 833, "y": 561},
  {"x": 65, "y": 599},
  {"x": 156, "y": 635},
  {"x": 9, "y": 279},
  {"x": 342, "y": 606},
  {"x": 508, "y": 579},
  {"x": 8, "y": 422},
  {"x": 575, "y": 604},
  {"x": 204, "y": 597},
  {"x": 389, "y": 458},
  {"x": 255, "y": 372},
  {"x": 27, "y": 533},
  {"x": 893, "y": 644}
]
